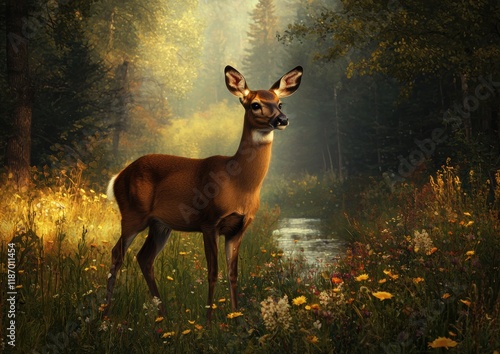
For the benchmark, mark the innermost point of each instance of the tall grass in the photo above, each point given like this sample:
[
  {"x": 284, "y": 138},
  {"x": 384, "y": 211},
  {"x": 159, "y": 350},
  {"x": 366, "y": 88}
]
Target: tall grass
[{"x": 421, "y": 264}]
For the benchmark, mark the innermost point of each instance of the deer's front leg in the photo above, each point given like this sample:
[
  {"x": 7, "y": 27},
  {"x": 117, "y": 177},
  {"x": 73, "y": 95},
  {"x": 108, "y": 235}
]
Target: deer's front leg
[
  {"x": 211, "y": 243},
  {"x": 232, "y": 250}
]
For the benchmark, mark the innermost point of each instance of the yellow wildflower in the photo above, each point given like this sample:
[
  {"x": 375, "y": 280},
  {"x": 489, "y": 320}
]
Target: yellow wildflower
[
  {"x": 443, "y": 342},
  {"x": 234, "y": 314},
  {"x": 312, "y": 339},
  {"x": 299, "y": 300},
  {"x": 187, "y": 331},
  {"x": 418, "y": 280},
  {"x": 170, "y": 278},
  {"x": 382, "y": 295},
  {"x": 168, "y": 334},
  {"x": 191, "y": 322},
  {"x": 159, "y": 319},
  {"x": 445, "y": 296},
  {"x": 389, "y": 273},
  {"x": 362, "y": 277}
]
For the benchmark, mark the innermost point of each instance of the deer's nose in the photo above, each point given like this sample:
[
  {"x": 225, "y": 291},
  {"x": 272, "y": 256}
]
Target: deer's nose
[{"x": 279, "y": 121}]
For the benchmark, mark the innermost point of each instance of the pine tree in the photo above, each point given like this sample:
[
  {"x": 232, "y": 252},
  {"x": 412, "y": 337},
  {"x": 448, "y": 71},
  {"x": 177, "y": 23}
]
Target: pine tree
[{"x": 262, "y": 63}]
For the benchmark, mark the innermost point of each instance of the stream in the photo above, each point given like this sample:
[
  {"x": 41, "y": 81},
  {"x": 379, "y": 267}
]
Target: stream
[{"x": 305, "y": 237}]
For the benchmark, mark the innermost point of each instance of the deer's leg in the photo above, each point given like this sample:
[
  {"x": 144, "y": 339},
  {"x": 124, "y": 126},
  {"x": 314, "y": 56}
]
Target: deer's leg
[
  {"x": 211, "y": 243},
  {"x": 232, "y": 245},
  {"x": 129, "y": 231},
  {"x": 157, "y": 238}
]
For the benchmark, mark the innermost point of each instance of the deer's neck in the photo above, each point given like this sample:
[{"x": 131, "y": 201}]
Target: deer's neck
[{"x": 253, "y": 156}]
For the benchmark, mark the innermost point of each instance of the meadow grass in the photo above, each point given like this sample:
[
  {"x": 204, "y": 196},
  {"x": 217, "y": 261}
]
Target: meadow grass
[{"x": 420, "y": 274}]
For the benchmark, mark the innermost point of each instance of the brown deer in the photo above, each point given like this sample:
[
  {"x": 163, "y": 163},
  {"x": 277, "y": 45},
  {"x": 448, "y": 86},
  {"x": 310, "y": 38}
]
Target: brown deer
[{"x": 218, "y": 195}]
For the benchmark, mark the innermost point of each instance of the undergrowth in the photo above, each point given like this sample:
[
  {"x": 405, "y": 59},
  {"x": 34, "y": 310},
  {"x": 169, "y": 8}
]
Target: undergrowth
[{"x": 420, "y": 274}]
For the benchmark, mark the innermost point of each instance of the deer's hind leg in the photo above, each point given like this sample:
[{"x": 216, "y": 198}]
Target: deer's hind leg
[
  {"x": 157, "y": 238},
  {"x": 130, "y": 229}
]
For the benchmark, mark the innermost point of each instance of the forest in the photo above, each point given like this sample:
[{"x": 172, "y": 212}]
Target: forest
[{"x": 393, "y": 145}]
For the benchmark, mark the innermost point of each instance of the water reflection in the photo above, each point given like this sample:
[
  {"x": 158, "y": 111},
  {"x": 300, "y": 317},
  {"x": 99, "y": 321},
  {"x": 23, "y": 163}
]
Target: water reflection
[{"x": 306, "y": 237}]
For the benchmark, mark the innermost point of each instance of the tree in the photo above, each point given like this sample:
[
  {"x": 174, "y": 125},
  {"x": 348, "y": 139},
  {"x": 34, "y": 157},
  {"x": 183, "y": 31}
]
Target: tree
[
  {"x": 262, "y": 63},
  {"x": 18, "y": 149},
  {"x": 441, "y": 58}
]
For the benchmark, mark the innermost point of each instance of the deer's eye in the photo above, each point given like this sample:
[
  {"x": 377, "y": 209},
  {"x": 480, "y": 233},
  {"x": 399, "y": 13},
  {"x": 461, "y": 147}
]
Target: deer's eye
[{"x": 256, "y": 106}]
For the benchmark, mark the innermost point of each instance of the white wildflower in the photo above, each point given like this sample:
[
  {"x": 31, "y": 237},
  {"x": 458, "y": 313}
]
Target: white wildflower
[
  {"x": 276, "y": 314},
  {"x": 422, "y": 242}
]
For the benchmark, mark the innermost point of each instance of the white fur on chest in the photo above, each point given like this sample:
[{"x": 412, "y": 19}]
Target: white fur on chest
[{"x": 262, "y": 136}]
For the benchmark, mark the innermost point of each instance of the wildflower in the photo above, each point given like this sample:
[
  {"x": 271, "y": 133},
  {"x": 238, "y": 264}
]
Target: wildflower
[
  {"x": 362, "y": 277},
  {"x": 465, "y": 302},
  {"x": 469, "y": 255},
  {"x": 104, "y": 326},
  {"x": 191, "y": 322},
  {"x": 159, "y": 319},
  {"x": 317, "y": 324},
  {"x": 198, "y": 327},
  {"x": 445, "y": 296},
  {"x": 276, "y": 314},
  {"x": 422, "y": 241},
  {"x": 156, "y": 301},
  {"x": 187, "y": 331},
  {"x": 389, "y": 273},
  {"x": 336, "y": 280},
  {"x": 222, "y": 300},
  {"x": 442, "y": 342},
  {"x": 469, "y": 223},
  {"x": 324, "y": 298},
  {"x": 312, "y": 339},
  {"x": 182, "y": 253},
  {"x": 299, "y": 300},
  {"x": 168, "y": 334},
  {"x": 234, "y": 314},
  {"x": 418, "y": 280},
  {"x": 382, "y": 295},
  {"x": 170, "y": 278},
  {"x": 102, "y": 307}
]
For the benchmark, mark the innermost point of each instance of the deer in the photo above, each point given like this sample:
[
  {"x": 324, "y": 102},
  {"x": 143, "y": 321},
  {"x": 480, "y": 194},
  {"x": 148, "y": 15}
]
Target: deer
[{"x": 214, "y": 196}]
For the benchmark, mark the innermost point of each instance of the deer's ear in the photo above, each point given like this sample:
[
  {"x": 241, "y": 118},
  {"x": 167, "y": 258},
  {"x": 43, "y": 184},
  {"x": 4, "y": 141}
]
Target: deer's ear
[
  {"x": 235, "y": 82},
  {"x": 289, "y": 83}
]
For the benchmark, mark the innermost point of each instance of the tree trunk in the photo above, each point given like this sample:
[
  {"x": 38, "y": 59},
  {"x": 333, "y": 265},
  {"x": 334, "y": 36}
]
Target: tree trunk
[
  {"x": 337, "y": 130},
  {"x": 464, "y": 78},
  {"x": 18, "y": 152}
]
